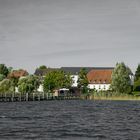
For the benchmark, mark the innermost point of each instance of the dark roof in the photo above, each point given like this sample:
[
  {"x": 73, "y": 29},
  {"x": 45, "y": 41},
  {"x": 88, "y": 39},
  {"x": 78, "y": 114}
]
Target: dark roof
[
  {"x": 76, "y": 70},
  {"x": 42, "y": 72}
]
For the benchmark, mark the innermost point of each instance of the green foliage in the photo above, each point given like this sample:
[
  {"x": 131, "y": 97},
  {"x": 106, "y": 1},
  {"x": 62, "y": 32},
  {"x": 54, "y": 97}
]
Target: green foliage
[
  {"x": 28, "y": 84},
  {"x": 10, "y": 69},
  {"x": 120, "y": 79},
  {"x": 137, "y": 73},
  {"x": 56, "y": 79},
  {"x": 136, "y": 86},
  {"x": 82, "y": 80},
  {"x": 43, "y": 67},
  {"x": 136, "y": 93},
  {"x": 2, "y": 77},
  {"x": 14, "y": 81},
  {"x": 3, "y": 70},
  {"x": 6, "y": 86},
  {"x": 22, "y": 85}
]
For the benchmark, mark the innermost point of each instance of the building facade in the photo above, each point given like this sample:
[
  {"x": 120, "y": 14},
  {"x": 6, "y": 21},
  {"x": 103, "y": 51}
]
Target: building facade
[{"x": 99, "y": 78}]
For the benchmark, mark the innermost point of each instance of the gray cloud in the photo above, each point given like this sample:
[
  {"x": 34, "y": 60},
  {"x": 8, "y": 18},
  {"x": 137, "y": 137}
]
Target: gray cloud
[{"x": 69, "y": 32}]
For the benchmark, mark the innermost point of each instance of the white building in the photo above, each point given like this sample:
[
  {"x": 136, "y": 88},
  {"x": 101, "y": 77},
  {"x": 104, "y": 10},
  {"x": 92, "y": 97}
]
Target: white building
[
  {"x": 75, "y": 80},
  {"x": 100, "y": 78},
  {"x": 99, "y": 87}
]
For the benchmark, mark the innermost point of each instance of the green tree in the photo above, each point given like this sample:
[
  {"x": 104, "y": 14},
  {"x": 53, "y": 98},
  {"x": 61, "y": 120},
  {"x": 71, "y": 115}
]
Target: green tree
[
  {"x": 121, "y": 82},
  {"x": 42, "y": 67},
  {"x": 4, "y": 70},
  {"x": 6, "y": 87},
  {"x": 10, "y": 69},
  {"x": 2, "y": 77},
  {"x": 137, "y": 73},
  {"x": 14, "y": 76},
  {"x": 28, "y": 84},
  {"x": 82, "y": 80},
  {"x": 56, "y": 79},
  {"x": 136, "y": 85},
  {"x": 67, "y": 80},
  {"x": 22, "y": 85}
]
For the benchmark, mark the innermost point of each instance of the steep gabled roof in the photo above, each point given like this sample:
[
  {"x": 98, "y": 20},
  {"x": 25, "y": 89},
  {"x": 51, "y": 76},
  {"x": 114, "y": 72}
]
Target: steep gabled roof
[{"x": 100, "y": 76}]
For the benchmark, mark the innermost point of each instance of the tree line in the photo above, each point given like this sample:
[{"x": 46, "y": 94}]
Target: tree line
[{"x": 11, "y": 79}]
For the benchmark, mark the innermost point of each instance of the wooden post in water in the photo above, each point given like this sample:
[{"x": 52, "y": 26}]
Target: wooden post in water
[
  {"x": 12, "y": 99},
  {"x": 27, "y": 96},
  {"x": 38, "y": 96},
  {"x": 47, "y": 96},
  {"x": 33, "y": 96},
  {"x": 5, "y": 96},
  {"x": 43, "y": 96},
  {"x": 20, "y": 96}
]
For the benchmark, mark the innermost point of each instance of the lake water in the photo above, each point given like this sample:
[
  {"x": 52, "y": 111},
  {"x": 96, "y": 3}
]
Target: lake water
[{"x": 70, "y": 120}]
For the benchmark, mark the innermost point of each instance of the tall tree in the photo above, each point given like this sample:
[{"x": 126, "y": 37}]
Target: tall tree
[
  {"x": 4, "y": 70},
  {"x": 121, "y": 81},
  {"x": 83, "y": 80},
  {"x": 137, "y": 73},
  {"x": 56, "y": 79}
]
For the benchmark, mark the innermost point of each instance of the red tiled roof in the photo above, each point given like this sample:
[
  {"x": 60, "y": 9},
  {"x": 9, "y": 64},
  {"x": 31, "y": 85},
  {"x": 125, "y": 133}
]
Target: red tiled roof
[{"x": 100, "y": 76}]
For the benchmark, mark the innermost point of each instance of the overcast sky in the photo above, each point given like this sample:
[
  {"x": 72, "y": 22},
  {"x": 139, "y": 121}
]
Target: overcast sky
[{"x": 69, "y": 33}]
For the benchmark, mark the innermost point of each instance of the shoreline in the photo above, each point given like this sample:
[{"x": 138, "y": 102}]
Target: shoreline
[
  {"x": 118, "y": 98},
  {"x": 82, "y": 97}
]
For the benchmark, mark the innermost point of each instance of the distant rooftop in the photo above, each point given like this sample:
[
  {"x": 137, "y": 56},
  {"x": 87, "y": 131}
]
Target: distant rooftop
[
  {"x": 76, "y": 70},
  {"x": 72, "y": 70},
  {"x": 42, "y": 72},
  {"x": 100, "y": 76}
]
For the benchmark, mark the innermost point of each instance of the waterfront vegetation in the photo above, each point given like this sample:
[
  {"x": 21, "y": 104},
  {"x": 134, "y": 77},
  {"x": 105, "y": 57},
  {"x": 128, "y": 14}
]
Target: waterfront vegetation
[
  {"x": 121, "y": 86},
  {"x": 109, "y": 95}
]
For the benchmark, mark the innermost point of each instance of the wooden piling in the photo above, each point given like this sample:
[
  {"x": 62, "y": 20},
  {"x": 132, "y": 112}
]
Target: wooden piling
[{"x": 26, "y": 96}]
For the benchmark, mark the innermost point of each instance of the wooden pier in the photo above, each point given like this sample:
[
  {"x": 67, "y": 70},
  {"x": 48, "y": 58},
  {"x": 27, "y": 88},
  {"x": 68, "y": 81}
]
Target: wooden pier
[{"x": 34, "y": 97}]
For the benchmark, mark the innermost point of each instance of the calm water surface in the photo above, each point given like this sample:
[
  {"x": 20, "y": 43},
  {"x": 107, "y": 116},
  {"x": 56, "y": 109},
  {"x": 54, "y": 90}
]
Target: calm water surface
[{"x": 70, "y": 120}]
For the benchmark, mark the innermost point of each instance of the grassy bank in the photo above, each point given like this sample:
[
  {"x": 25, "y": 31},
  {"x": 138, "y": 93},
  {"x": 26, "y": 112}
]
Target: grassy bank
[
  {"x": 114, "y": 98},
  {"x": 109, "y": 96}
]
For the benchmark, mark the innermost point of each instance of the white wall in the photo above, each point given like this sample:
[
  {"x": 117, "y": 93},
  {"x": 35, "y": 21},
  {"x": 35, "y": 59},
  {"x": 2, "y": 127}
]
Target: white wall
[
  {"x": 75, "y": 79},
  {"x": 99, "y": 86}
]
